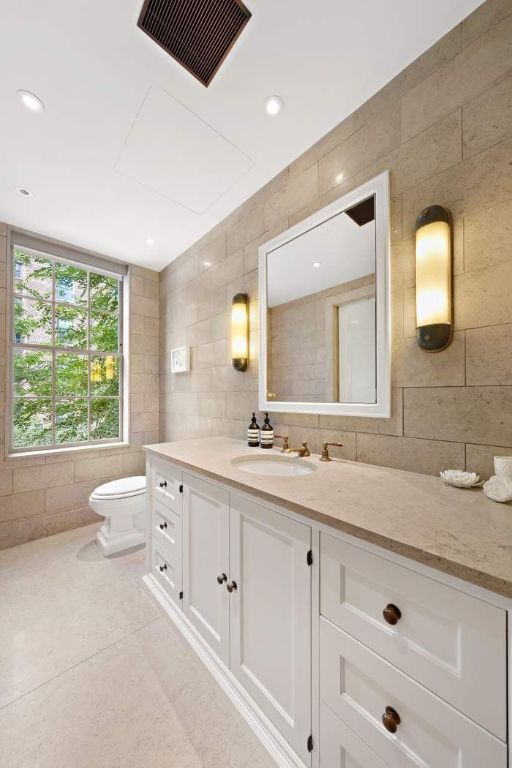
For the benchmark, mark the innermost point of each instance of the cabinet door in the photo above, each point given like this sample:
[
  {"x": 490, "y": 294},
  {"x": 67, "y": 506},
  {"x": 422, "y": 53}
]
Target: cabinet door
[
  {"x": 271, "y": 616},
  {"x": 205, "y": 557},
  {"x": 340, "y": 747}
]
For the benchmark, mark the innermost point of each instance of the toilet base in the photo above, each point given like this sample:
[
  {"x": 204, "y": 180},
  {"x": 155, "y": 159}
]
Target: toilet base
[{"x": 111, "y": 542}]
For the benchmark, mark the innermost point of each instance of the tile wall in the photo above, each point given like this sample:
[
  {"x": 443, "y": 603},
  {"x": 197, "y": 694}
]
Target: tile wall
[{"x": 443, "y": 127}]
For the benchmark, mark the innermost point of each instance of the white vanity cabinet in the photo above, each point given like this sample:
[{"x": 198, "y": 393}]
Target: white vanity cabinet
[
  {"x": 338, "y": 654},
  {"x": 271, "y": 615},
  {"x": 206, "y": 561}
]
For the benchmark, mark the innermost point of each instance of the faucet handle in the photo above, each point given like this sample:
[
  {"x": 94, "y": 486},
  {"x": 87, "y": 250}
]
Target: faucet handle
[
  {"x": 305, "y": 449},
  {"x": 325, "y": 450},
  {"x": 285, "y": 439}
]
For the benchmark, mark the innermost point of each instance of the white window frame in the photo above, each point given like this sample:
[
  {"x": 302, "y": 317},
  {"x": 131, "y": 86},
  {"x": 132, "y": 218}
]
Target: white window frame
[{"x": 56, "y": 252}]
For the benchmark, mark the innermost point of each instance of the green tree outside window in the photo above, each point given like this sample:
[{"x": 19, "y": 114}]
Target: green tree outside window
[{"x": 66, "y": 359}]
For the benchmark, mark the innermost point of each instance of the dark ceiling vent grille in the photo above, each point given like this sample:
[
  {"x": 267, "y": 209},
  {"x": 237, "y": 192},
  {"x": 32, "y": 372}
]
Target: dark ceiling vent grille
[{"x": 197, "y": 33}]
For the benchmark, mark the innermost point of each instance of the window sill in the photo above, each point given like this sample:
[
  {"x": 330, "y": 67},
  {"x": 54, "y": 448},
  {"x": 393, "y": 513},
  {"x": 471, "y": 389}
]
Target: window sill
[{"x": 63, "y": 451}]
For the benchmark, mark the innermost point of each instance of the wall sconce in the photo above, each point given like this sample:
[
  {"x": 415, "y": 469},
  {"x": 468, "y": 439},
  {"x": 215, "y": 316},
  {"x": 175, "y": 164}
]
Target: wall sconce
[
  {"x": 240, "y": 331},
  {"x": 433, "y": 279}
]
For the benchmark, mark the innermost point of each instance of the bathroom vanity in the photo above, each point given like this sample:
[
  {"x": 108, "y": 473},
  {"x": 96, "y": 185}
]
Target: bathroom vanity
[{"x": 355, "y": 615}]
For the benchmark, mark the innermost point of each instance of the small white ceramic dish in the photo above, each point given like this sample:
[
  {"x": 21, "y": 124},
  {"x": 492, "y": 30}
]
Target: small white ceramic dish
[
  {"x": 499, "y": 488},
  {"x": 460, "y": 479}
]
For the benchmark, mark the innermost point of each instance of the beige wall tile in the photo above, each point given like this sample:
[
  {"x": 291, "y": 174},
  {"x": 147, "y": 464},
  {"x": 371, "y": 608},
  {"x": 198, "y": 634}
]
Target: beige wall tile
[
  {"x": 482, "y": 297},
  {"x": 240, "y": 405},
  {"x": 246, "y": 230},
  {"x": 461, "y": 414},
  {"x": 483, "y": 19},
  {"x": 391, "y": 426},
  {"x": 17, "y": 532},
  {"x": 251, "y": 249},
  {"x": 488, "y": 236},
  {"x": 47, "y": 476},
  {"x": 488, "y": 118},
  {"x": 424, "y": 156},
  {"x": 300, "y": 191},
  {"x": 413, "y": 367},
  {"x": 21, "y": 505},
  {"x": 326, "y": 144},
  {"x": 71, "y": 518},
  {"x": 427, "y": 456},
  {"x": 476, "y": 183},
  {"x": 213, "y": 404},
  {"x": 65, "y": 497},
  {"x": 489, "y": 355},
  {"x": 361, "y": 149},
  {"x": 134, "y": 463},
  {"x": 461, "y": 79},
  {"x": 480, "y": 458},
  {"x": 105, "y": 466}
]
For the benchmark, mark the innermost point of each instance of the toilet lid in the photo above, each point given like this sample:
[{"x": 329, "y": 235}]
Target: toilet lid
[{"x": 125, "y": 486}]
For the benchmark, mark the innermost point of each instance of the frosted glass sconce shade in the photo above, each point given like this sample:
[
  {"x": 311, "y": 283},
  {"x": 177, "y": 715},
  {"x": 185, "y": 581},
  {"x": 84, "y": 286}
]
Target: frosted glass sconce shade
[
  {"x": 240, "y": 331},
  {"x": 433, "y": 279}
]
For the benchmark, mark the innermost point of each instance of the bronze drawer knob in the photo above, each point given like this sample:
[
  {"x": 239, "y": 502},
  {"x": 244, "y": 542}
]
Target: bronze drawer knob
[
  {"x": 222, "y": 578},
  {"x": 392, "y": 614},
  {"x": 232, "y": 587},
  {"x": 391, "y": 720}
]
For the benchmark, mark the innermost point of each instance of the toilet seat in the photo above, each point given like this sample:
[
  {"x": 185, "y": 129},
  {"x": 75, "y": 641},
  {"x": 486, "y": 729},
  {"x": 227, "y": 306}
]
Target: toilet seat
[{"x": 123, "y": 488}]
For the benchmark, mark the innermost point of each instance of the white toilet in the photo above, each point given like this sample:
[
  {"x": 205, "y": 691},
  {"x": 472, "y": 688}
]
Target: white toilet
[{"x": 123, "y": 505}]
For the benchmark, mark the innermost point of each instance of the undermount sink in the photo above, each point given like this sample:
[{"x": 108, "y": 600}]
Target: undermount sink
[{"x": 276, "y": 466}]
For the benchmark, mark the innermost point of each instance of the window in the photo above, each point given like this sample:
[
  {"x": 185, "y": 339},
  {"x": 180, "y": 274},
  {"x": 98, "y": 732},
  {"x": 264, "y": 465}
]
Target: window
[{"x": 66, "y": 353}]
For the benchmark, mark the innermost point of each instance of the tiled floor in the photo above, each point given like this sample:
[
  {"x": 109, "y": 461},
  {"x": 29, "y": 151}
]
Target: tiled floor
[{"x": 93, "y": 676}]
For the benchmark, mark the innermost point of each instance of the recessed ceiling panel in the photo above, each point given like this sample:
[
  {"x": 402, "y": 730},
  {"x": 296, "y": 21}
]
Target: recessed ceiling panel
[
  {"x": 197, "y": 33},
  {"x": 173, "y": 152}
]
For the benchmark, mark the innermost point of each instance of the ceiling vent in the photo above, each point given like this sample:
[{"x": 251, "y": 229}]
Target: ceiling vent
[{"x": 197, "y": 33}]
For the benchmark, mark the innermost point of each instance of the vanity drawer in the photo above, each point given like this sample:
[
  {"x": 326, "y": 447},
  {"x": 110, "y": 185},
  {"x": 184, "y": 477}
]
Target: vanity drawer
[
  {"x": 340, "y": 747},
  {"x": 452, "y": 643},
  {"x": 166, "y": 529},
  {"x": 165, "y": 481},
  {"x": 358, "y": 685},
  {"x": 168, "y": 571}
]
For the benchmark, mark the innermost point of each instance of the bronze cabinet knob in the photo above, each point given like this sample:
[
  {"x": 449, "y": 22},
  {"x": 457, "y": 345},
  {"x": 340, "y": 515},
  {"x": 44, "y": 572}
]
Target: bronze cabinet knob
[
  {"x": 163, "y": 567},
  {"x": 391, "y": 720},
  {"x": 392, "y": 614},
  {"x": 232, "y": 587},
  {"x": 222, "y": 578},
  {"x": 163, "y": 526}
]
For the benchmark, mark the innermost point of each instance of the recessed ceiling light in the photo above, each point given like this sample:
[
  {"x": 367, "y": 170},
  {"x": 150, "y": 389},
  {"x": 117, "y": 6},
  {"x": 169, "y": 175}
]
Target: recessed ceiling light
[
  {"x": 273, "y": 105},
  {"x": 30, "y": 101},
  {"x": 338, "y": 178},
  {"x": 23, "y": 192},
  {"x": 207, "y": 263},
  {"x": 316, "y": 264},
  {"x": 150, "y": 241}
]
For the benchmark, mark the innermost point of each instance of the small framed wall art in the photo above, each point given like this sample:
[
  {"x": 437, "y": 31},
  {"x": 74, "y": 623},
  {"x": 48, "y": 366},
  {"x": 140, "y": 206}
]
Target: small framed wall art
[{"x": 180, "y": 360}]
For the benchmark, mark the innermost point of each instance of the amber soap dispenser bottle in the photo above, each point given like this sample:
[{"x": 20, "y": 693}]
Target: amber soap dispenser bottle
[
  {"x": 267, "y": 434},
  {"x": 253, "y": 433}
]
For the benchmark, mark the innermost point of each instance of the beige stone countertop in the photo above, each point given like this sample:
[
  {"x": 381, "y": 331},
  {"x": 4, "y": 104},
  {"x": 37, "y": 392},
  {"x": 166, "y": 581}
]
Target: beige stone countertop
[{"x": 457, "y": 531}]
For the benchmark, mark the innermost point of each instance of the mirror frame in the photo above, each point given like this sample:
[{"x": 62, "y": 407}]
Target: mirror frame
[{"x": 379, "y": 187}]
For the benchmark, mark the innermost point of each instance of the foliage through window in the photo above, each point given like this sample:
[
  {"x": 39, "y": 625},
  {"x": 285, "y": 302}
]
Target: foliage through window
[{"x": 66, "y": 360}]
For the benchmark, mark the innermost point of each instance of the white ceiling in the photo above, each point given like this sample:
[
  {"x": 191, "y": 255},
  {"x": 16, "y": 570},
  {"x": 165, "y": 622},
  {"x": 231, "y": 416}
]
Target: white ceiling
[
  {"x": 93, "y": 69},
  {"x": 344, "y": 250}
]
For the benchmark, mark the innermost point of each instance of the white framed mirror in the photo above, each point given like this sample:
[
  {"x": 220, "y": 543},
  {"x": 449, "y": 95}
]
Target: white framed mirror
[{"x": 324, "y": 289}]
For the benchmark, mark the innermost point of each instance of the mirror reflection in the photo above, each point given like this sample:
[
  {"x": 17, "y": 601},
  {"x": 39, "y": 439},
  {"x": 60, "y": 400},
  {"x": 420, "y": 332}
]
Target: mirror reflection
[{"x": 321, "y": 312}]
